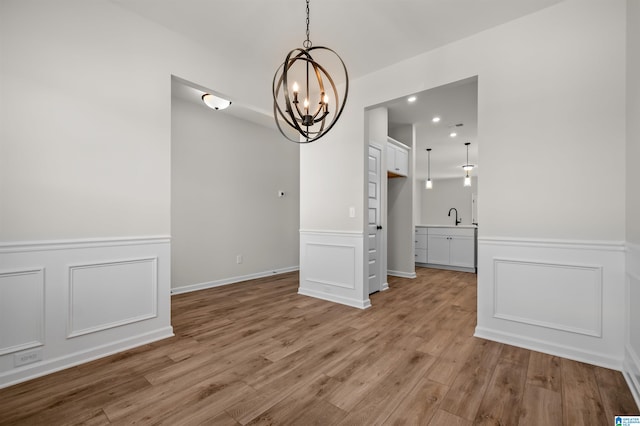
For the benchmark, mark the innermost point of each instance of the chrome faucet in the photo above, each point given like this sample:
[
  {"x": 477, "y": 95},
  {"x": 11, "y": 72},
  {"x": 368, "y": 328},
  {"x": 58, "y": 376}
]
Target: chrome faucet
[{"x": 457, "y": 220}]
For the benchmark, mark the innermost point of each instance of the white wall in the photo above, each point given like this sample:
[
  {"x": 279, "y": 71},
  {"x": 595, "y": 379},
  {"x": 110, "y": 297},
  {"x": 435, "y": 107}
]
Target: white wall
[
  {"x": 551, "y": 90},
  {"x": 632, "y": 359},
  {"x": 445, "y": 194},
  {"x": 226, "y": 174},
  {"x": 85, "y": 146}
]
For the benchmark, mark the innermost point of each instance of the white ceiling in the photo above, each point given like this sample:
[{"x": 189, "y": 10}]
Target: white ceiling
[
  {"x": 455, "y": 104},
  {"x": 369, "y": 35}
]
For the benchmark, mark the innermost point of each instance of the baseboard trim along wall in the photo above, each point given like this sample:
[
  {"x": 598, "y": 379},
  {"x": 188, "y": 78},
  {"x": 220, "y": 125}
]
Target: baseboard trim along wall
[
  {"x": 232, "y": 280},
  {"x": 331, "y": 267},
  {"x": 401, "y": 274},
  {"x": 631, "y": 368},
  {"x": 68, "y": 302},
  {"x": 558, "y": 297}
]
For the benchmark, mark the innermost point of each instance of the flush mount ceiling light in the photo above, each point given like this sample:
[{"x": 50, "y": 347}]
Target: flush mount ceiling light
[
  {"x": 435, "y": 119},
  {"x": 215, "y": 102},
  {"x": 322, "y": 102},
  {"x": 427, "y": 183},
  {"x": 467, "y": 167},
  {"x": 411, "y": 99},
  {"x": 453, "y": 134}
]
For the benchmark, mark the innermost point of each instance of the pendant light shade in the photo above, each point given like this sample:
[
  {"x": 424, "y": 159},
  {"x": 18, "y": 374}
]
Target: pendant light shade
[
  {"x": 467, "y": 167},
  {"x": 322, "y": 101},
  {"x": 428, "y": 184}
]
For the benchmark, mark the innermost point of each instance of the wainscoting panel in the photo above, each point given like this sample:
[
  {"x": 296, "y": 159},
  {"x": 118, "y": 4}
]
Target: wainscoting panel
[
  {"x": 559, "y": 297},
  {"x": 64, "y": 303},
  {"x": 570, "y": 294},
  {"x": 632, "y": 347},
  {"x": 331, "y": 267},
  {"x": 110, "y": 294},
  {"x": 22, "y": 305}
]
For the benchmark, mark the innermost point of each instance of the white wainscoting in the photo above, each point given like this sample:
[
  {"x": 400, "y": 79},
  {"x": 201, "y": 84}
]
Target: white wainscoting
[
  {"x": 22, "y": 305},
  {"x": 631, "y": 368},
  {"x": 560, "y": 297},
  {"x": 63, "y": 303},
  {"x": 331, "y": 267}
]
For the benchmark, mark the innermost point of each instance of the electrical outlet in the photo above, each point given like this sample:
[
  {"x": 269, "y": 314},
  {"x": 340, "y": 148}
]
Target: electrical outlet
[
  {"x": 352, "y": 212},
  {"x": 239, "y": 259},
  {"x": 27, "y": 357}
]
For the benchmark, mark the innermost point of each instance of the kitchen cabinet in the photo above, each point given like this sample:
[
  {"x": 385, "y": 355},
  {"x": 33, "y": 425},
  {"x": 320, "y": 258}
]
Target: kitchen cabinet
[
  {"x": 446, "y": 247},
  {"x": 452, "y": 247},
  {"x": 421, "y": 245},
  {"x": 397, "y": 158}
]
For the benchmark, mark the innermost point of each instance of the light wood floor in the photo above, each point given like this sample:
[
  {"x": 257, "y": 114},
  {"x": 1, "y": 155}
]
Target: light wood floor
[{"x": 258, "y": 353}]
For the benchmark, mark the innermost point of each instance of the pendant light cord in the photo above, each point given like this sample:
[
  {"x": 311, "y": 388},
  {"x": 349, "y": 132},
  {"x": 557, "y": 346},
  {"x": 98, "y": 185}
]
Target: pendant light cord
[{"x": 307, "y": 43}]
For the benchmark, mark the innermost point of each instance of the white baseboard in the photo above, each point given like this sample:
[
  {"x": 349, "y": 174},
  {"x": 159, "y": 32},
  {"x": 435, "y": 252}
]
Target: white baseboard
[
  {"x": 631, "y": 368},
  {"x": 232, "y": 280},
  {"x": 401, "y": 274},
  {"x": 356, "y": 303},
  {"x": 631, "y": 372},
  {"x": 43, "y": 368},
  {"x": 569, "y": 352}
]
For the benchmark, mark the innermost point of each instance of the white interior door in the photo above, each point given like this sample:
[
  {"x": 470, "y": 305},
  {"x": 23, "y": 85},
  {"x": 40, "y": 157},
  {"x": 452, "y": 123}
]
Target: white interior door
[{"x": 374, "y": 224}]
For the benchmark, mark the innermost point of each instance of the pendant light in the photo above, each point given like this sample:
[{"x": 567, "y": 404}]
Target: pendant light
[
  {"x": 427, "y": 183},
  {"x": 467, "y": 167},
  {"x": 322, "y": 102}
]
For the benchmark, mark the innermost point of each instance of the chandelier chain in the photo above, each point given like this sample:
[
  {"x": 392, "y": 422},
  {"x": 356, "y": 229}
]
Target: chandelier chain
[{"x": 307, "y": 42}]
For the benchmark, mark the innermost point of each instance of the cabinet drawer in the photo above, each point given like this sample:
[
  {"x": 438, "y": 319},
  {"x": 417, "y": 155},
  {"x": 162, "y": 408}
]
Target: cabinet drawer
[
  {"x": 421, "y": 255},
  {"x": 463, "y": 232},
  {"x": 421, "y": 230}
]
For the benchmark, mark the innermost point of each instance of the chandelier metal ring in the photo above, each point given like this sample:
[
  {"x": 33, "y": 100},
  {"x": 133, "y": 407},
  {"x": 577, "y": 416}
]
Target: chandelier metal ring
[
  {"x": 315, "y": 118},
  {"x": 290, "y": 111}
]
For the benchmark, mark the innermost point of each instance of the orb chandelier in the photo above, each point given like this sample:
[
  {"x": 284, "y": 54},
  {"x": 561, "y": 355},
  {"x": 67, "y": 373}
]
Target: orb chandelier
[{"x": 322, "y": 102}]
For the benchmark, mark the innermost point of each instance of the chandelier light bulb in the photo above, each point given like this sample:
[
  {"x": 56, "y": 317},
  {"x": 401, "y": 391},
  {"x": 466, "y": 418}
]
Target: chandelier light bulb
[{"x": 296, "y": 88}]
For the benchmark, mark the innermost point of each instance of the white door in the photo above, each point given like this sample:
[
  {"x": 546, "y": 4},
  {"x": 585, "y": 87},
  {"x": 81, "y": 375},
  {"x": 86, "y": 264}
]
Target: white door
[{"x": 374, "y": 225}]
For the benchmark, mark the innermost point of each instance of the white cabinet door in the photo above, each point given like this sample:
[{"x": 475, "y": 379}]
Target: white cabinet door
[
  {"x": 397, "y": 160},
  {"x": 402, "y": 161},
  {"x": 438, "y": 252},
  {"x": 421, "y": 255},
  {"x": 462, "y": 251},
  {"x": 391, "y": 158}
]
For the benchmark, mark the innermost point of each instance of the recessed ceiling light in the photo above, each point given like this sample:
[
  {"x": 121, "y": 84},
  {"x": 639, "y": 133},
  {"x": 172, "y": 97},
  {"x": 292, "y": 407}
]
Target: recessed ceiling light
[
  {"x": 411, "y": 99},
  {"x": 435, "y": 119},
  {"x": 453, "y": 134},
  {"x": 215, "y": 102}
]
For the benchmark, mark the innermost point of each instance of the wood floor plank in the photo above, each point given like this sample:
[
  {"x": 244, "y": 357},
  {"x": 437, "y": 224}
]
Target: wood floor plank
[
  {"x": 467, "y": 391},
  {"x": 581, "y": 397},
  {"x": 445, "y": 418},
  {"x": 258, "y": 352},
  {"x": 540, "y": 406},
  {"x": 502, "y": 400},
  {"x": 544, "y": 371},
  {"x": 614, "y": 393},
  {"x": 420, "y": 405}
]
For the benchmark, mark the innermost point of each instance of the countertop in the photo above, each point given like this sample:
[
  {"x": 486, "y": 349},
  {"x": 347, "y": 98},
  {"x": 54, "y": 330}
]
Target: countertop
[{"x": 447, "y": 226}]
